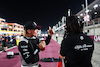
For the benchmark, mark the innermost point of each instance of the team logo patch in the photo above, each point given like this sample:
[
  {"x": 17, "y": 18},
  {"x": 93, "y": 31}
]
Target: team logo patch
[{"x": 81, "y": 37}]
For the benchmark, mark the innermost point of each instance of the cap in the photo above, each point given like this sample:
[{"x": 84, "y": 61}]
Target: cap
[{"x": 31, "y": 25}]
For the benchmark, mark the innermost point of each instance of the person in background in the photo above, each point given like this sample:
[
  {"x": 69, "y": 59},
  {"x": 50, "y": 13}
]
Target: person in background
[
  {"x": 77, "y": 48},
  {"x": 57, "y": 37},
  {"x": 0, "y": 40},
  {"x": 30, "y": 46},
  {"x": 14, "y": 39},
  {"x": 4, "y": 42},
  {"x": 8, "y": 37},
  {"x": 17, "y": 39}
]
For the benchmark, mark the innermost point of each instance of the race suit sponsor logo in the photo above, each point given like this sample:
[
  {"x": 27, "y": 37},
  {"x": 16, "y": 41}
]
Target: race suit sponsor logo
[{"x": 83, "y": 47}]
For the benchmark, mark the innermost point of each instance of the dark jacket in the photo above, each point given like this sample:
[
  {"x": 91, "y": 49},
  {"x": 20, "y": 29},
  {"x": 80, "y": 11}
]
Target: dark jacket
[
  {"x": 4, "y": 42},
  {"x": 78, "y": 49}
]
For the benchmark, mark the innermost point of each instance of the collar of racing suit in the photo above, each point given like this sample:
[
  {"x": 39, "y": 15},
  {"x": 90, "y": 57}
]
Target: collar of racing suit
[{"x": 31, "y": 37}]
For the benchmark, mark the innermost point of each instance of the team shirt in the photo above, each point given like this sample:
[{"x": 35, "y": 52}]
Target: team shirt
[{"x": 77, "y": 49}]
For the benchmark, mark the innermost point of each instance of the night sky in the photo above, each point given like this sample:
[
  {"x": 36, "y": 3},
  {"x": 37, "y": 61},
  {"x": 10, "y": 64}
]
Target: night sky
[{"x": 44, "y": 12}]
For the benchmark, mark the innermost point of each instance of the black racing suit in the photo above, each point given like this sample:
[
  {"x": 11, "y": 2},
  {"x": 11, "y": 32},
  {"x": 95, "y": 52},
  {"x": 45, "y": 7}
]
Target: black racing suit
[
  {"x": 28, "y": 50},
  {"x": 78, "y": 50}
]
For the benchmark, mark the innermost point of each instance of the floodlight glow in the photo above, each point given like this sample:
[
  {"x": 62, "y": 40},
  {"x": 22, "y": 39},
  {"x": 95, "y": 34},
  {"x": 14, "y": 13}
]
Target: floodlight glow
[
  {"x": 78, "y": 16},
  {"x": 95, "y": 6},
  {"x": 87, "y": 18},
  {"x": 10, "y": 27},
  {"x": 90, "y": 10},
  {"x": 1, "y": 19},
  {"x": 81, "y": 14},
  {"x": 2, "y": 23},
  {"x": 87, "y": 11},
  {"x": 95, "y": 13}
]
